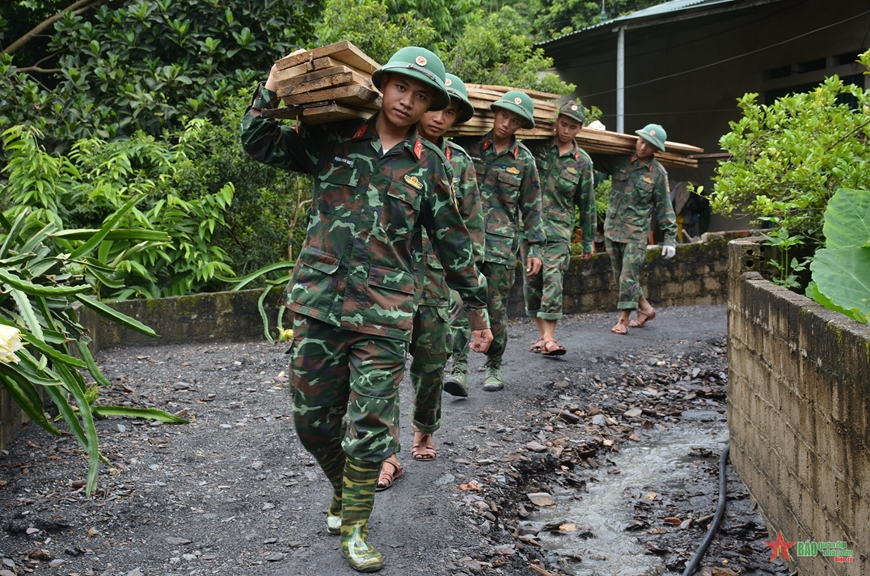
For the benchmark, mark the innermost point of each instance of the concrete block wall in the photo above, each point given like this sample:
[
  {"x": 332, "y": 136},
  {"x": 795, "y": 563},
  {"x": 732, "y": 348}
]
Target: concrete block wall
[
  {"x": 697, "y": 275},
  {"x": 799, "y": 413}
]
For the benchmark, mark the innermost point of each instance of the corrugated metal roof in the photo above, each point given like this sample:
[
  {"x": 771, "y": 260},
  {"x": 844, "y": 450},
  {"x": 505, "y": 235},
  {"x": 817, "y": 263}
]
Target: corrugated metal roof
[{"x": 651, "y": 12}]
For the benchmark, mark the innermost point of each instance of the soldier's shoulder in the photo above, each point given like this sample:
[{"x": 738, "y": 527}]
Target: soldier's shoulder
[
  {"x": 659, "y": 168},
  {"x": 458, "y": 149},
  {"x": 434, "y": 151},
  {"x": 524, "y": 152},
  {"x": 584, "y": 156}
]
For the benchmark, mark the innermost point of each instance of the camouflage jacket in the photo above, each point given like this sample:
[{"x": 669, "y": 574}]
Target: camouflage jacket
[
  {"x": 355, "y": 270},
  {"x": 435, "y": 291},
  {"x": 566, "y": 181},
  {"x": 637, "y": 188},
  {"x": 510, "y": 192}
]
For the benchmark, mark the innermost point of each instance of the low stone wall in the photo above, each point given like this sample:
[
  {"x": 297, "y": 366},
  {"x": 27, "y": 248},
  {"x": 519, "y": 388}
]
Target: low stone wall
[
  {"x": 697, "y": 275},
  {"x": 799, "y": 414}
]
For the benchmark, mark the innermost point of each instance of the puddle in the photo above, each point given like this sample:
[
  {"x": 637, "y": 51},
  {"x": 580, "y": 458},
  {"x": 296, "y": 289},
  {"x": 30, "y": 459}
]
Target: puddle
[{"x": 605, "y": 511}]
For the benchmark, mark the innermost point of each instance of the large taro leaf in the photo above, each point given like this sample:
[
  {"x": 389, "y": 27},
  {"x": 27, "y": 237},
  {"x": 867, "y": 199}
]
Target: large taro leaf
[
  {"x": 847, "y": 219},
  {"x": 842, "y": 275}
]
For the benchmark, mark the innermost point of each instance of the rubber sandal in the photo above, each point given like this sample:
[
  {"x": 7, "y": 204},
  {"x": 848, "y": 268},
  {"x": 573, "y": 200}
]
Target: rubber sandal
[
  {"x": 639, "y": 322},
  {"x": 386, "y": 478},
  {"x": 423, "y": 448},
  {"x": 537, "y": 346},
  {"x": 552, "y": 348},
  {"x": 615, "y": 331}
]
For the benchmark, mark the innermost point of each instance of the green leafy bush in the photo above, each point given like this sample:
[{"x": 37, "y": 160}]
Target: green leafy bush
[
  {"x": 791, "y": 156},
  {"x": 97, "y": 178},
  {"x": 841, "y": 270},
  {"x": 44, "y": 271}
]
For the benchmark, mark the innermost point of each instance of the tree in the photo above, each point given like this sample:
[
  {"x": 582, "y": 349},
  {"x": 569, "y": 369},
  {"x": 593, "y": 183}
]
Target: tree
[
  {"x": 497, "y": 49},
  {"x": 369, "y": 26},
  {"x": 145, "y": 64},
  {"x": 553, "y": 18}
]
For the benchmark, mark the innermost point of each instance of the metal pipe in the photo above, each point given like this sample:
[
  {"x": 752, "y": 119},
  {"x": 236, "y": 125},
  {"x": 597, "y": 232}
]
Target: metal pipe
[{"x": 620, "y": 81}]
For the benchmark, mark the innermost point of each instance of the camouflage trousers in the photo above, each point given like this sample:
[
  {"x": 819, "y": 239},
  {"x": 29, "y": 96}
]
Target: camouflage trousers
[
  {"x": 345, "y": 386},
  {"x": 499, "y": 280},
  {"x": 627, "y": 261},
  {"x": 430, "y": 347},
  {"x": 460, "y": 331},
  {"x": 543, "y": 291}
]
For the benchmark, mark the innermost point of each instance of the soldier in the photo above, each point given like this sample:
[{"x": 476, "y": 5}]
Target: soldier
[
  {"x": 510, "y": 192},
  {"x": 566, "y": 181},
  {"x": 431, "y": 341},
  {"x": 353, "y": 290},
  {"x": 640, "y": 183}
]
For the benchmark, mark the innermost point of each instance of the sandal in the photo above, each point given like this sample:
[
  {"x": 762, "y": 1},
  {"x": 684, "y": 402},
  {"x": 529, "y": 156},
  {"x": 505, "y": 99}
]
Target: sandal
[
  {"x": 616, "y": 329},
  {"x": 552, "y": 348},
  {"x": 642, "y": 318},
  {"x": 386, "y": 478},
  {"x": 423, "y": 447},
  {"x": 537, "y": 346}
]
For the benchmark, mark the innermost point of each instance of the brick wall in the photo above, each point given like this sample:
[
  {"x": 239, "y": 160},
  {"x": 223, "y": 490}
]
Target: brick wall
[{"x": 799, "y": 413}]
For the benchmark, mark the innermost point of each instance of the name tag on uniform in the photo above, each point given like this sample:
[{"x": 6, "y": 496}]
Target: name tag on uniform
[
  {"x": 346, "y": 161},
  {"x": 413, "y": 181},
  {"x": 512, "y": 170}
]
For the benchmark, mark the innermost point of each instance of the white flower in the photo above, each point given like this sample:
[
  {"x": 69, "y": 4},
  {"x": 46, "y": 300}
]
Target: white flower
[{"x": 10, "y": 342}]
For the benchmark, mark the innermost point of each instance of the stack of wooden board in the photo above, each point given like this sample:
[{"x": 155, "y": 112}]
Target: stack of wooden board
[
  {"x": 547, "y": 107},
  {"x": 326, "y": 84},
  {"x": 333, "y": 83}
]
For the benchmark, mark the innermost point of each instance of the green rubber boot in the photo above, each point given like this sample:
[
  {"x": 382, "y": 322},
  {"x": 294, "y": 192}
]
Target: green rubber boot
[
  {"x": 493, "y": 381},
  {"x": 332, "y": 461},
  {"x": 358, "y": 497},
  {"x": 455, "y": 383}
]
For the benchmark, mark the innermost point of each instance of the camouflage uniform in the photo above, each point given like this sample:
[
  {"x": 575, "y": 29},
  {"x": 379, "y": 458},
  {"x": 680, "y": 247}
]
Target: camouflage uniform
[
  {"x": 566, "y": 181},
  {"x": 353, "y": 288},
  {"x": 510, "y": 192},
  {"x": 638, "y": 187},
  {"x": 432, "y": 341}
]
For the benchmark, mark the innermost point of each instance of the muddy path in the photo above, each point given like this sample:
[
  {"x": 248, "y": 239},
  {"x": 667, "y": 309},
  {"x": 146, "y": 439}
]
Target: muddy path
[{"x": 235, "y": 493}]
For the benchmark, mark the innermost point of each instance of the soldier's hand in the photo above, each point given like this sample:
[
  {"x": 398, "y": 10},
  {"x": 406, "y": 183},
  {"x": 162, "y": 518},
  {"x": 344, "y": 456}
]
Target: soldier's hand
[
  {"x": 482, "y": 340},
  {"x": 668, "y": 251},
  {"x": 533, "y": 266}
]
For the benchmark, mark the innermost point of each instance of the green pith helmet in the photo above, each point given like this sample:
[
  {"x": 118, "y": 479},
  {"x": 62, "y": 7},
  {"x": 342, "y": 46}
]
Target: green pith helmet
[
  {"x": 456, "y": 88},
  {"x": 519, "y": 103},
  {"x": 574, "y": 111},
  {"x": 654, "y": 134},
  {"x": 420, "y": 64}
]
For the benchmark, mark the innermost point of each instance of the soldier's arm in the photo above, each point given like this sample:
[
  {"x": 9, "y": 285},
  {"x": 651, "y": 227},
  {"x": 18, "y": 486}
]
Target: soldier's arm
[
  {"x": 470, "y": 207},
  {"x": 530, "y": 208},
  {"x": 584, "y": 198},
  {"x": 605, "y": 163},
  {"x": 665, "y": 210},
  {"x": 451, "y": 241},
  {"x": 268, "y": 141}
]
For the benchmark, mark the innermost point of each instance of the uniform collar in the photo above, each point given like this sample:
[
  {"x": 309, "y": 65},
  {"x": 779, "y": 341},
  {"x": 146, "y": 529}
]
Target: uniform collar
[
  {"x": 648, "y": 164},
  {"x": 367, "y": 131},
  {"x": 489, "y": 142},
  {"x": 575, "y": 150}
]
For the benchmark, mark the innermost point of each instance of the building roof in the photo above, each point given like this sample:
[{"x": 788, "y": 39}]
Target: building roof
[{"x": 663, "y": 11}]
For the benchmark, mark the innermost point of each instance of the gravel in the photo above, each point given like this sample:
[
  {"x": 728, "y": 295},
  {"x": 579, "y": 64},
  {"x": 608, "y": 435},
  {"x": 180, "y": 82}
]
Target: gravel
[{"x": 233, "y": 492}]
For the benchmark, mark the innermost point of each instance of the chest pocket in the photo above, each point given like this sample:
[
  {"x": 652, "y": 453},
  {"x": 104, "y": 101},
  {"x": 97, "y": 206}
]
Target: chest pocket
[
  {"x": 572, "y": 178},
  {"x": 401, "y": 206},
  {"x": 335, "y": 188}
]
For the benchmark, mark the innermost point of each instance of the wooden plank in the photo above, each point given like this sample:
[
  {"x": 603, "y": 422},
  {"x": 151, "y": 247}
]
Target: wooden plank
[
  {"x": 500, "y": 90},
  {"x": 327, "y": 62},
  {"x": 332, "y": 113},
  {"x": 293, "y": 71},
  {"x": 353, "y": 95},
  {"x": 321, "y": 80},
  {"x": 343, "y": 51}
]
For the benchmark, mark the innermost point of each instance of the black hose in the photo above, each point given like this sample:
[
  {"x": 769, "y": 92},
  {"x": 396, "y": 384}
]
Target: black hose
[{"x": 720, "y": 512}]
